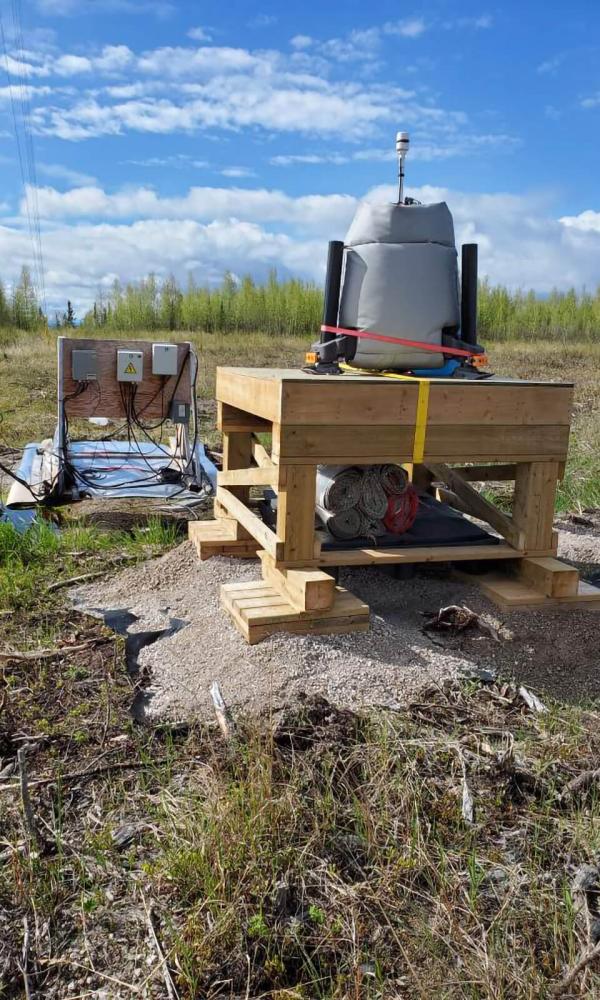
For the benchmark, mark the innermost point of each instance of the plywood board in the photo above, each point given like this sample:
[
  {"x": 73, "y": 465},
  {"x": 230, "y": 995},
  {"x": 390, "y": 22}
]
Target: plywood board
[{"x": 102, "y": 397}]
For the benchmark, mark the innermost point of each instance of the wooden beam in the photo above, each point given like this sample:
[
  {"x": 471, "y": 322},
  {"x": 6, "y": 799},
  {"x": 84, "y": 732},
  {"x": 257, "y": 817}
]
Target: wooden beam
[
  {"x": 307, "y": 444},
  {"x": 534, "y": 501},
  {"x": 229, "y": 418},
  {"x": 260, "y": 454},
  {"x": 253, "y": 524},
  {"x": 550, "y": 576},
  {"x": 305, "y": 589},
  {"x": 296, "y": 491},
  {"x": 416, "y": 554},
  {"x": 478, "y": 505},
  {"x": 254, "y": 476},
  {"x": 488, "y": 473}
]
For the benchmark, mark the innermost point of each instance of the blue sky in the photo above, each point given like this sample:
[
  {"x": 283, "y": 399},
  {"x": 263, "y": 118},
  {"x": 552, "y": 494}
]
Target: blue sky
[{"x": 195, "y": 137}]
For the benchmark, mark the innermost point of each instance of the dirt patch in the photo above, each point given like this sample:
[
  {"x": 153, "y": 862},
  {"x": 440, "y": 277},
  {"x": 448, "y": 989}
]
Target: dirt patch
[{"x": 386, "y": 666}]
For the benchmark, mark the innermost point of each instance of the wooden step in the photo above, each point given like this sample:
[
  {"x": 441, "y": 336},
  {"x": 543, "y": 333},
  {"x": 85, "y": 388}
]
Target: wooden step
[
  {"x": 220, "y": 538},
  {"x": 258, "y": 611},
  {"x": 512, "y": 594}
]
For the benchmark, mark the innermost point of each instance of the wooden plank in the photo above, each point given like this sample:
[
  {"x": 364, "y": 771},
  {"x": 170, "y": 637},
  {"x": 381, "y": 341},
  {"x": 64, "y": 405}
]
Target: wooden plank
[
  {"x": 309, "y": 444},
  {"x": 305, "y": 589},
  {"x": 479, "y": 506},
  {"x": 230, "y": 418},
  {"x": 420, "y": 554},
  {"x": 268, "y": 539},
  {"x": 103, "y": 396},
  {"x": 488, "y": 473},
  {"x": 534, "y": 502},
  {"x": 374, "y": 402},
  {"x": 296, "y": 492},
  {"x": 550, "y": 576},
  {"x": 254, "y": 476}
]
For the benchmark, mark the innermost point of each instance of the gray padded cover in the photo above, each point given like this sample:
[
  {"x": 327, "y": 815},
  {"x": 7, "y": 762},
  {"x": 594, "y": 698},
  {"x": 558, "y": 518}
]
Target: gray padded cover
[{"x": 400, "y": 279}]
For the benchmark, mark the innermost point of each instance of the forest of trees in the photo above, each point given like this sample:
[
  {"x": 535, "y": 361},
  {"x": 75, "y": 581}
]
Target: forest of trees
[{"x": 291, "y": 307}]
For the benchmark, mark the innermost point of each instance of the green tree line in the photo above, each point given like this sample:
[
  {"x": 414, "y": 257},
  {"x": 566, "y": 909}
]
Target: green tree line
[{"x": 294, "y": 307}]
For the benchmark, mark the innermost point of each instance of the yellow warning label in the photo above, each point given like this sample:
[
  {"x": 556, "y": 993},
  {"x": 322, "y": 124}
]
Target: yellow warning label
[{"x": 130, "y": 370}]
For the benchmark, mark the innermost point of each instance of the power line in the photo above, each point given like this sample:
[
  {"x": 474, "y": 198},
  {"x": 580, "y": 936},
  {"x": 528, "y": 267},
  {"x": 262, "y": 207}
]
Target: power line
[{"x": 25, "y": 150}]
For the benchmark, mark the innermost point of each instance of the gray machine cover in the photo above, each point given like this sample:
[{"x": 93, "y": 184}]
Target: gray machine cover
[{"x": 400, "y": 279}]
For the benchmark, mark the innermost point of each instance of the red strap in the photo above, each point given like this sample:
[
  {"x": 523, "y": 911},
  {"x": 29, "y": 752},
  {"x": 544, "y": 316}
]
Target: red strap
[{"x": 398, "y": 340}]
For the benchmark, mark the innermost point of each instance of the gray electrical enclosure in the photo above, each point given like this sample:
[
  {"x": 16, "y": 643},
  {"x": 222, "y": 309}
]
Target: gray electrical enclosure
[
  {"x": 130, "y": 366},
  {"x": 85, "y": 366},
  {"x": 164, "y": 359}
]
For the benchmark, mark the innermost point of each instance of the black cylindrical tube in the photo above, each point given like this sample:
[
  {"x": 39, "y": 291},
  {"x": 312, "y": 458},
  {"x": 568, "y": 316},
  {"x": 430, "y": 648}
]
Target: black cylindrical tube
[
  {"x": 468, "y": 305},
  {"x": 333, "y": 280}
]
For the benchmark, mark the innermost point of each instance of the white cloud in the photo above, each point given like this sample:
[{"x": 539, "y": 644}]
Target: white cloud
[
  {"x": 91, "y": 236},
  {"x": 301, "y": 41},
  {"x": 585, "y": 222},
  {"x": 410, "y": 27},
  {"x": 593, "y": 101},
  {"x": 61, "y": 173},
  {"x": 425, "y": 148},
  {"x": 68, "y": 65},
  {"x": 199, "y": 34},
  {"x": 238, "y": 172},
  {"x": 205, "y": 203},
  {"x": 70, "y": 8},
  {"x": 262, "y": 21},
  {"x": 10, "y": 93},
  {"x": 551, "y": 65}
]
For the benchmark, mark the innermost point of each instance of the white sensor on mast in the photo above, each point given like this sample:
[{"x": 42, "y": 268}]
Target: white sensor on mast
[{"x": 402, "y": 144}]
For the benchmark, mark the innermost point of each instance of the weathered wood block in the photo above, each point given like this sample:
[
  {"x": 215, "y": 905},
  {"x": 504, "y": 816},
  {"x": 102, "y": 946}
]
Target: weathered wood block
[
  {"x": 221, "y": 538},
  {"x": 258, "y": 610}
]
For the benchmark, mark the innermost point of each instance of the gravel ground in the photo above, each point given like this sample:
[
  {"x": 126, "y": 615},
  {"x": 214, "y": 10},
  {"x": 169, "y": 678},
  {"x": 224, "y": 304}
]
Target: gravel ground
[{"x": 552, "y": 652}]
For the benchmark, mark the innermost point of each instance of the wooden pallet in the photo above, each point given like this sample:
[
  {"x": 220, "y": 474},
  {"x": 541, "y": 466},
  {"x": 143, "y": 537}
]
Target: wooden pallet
[{"x": 258, "y": 610}]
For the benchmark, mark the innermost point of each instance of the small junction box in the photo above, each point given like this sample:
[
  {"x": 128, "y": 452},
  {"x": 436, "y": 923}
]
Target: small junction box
[
  {"x": 130, "y": 366},
  {"x": 84, "y": 365},
  {"x": 164, "y": 359}
]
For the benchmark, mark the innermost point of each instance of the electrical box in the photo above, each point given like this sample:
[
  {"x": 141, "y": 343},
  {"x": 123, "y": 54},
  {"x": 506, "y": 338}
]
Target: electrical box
[
  {"x": 164, "y": 359},
  {"x": 179, "y": 412},
  {"x": 85, "y": 366},
  {"x": 130, "y": 366}
]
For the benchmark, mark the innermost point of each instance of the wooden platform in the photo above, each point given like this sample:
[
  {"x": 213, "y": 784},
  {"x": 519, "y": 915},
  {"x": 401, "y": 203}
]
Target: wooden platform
[
  {"x": 258, "y": 610},
  {"x": 279, "y": 425}
]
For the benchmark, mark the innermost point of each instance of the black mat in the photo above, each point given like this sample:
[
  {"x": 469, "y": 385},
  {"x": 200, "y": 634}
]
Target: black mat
[{"x": 436, "y": 524}]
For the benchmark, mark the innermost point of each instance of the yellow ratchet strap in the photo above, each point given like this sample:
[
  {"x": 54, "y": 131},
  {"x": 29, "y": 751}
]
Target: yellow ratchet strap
[{"x": 422, "y": 404}]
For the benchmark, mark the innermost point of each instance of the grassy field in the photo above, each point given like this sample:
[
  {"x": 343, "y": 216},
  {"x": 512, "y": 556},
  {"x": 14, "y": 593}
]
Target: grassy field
[{"x": 327, "y": 857}]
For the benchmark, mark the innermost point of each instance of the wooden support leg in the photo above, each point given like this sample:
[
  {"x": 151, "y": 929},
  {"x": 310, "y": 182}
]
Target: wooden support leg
[
  {"x": 305, "y": 589},
  {"x": 296, "y": 512},
  {"x": 237, "y": 454},
  {"x": 533, "y": 504}
]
